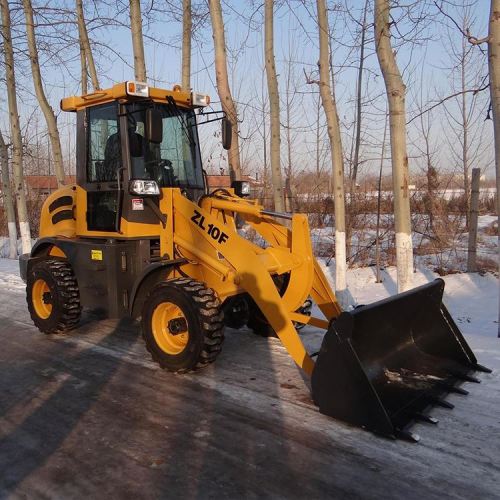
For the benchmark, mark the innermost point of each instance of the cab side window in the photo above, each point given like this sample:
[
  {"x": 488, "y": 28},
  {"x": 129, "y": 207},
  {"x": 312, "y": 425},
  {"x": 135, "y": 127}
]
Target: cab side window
[{"x": 104, "y": 147}]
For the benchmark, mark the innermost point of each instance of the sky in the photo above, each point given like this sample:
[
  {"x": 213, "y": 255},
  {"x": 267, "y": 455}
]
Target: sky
[{"x": 423, "y": 57}]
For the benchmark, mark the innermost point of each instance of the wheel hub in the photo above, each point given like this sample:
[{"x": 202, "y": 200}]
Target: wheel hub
[
  {"x": 42, "y": 298},
  {"x": 170, "y": 328}
]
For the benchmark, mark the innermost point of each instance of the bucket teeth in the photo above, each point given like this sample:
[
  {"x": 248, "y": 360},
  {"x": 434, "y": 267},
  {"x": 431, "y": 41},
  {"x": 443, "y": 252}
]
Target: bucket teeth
[
  {"x": 466, "y": 377},
  {"x": 422, "y": 417},
  {"x": 441, "y": 402},
  {"x": 454, "y": 389},
  {"x": 407, "y": 435},
  {"x": 481, "y": 368}
]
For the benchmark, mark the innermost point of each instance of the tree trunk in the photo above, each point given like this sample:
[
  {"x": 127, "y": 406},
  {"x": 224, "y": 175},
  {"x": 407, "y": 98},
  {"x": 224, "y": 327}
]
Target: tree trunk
[
  {"x": 289, "y": 194},
  {"x": 223, "y": 89},
  {"x": 187, "y": 24},
  {"x": 332, "y": 120},
  {"x": 48, "y": 112},
  {"x": 474, "y": 212},
  {"x": 465, "y": 130},
  {"x": 494, "y": 71},
  {"x": 379, "y": 205},
  {"x": 359, "y": 85},
  {"x": 15, "y": 129},
  {"x": 395, "y": 89},
  {"x": 137, "y": 40},
  {"x": 84, "y": 40},
  {"x": 8, "y": 203},
  {"x": 353, "y": 198},
  {"x": 83, "y": 65},
  {"x": 274, "y": 106}
]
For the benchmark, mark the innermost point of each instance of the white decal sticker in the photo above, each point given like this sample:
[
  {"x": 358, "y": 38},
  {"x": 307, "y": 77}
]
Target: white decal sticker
[{"x": 137, "y": 204}]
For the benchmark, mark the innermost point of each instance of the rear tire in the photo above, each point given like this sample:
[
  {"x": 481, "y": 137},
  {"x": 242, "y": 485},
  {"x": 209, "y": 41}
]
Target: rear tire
[
  {"x": 236, "y": 311},
  {"x": 183, "y": 325},
  {"x": 53, "y": 297},
  {"x": 258, "y": 323}
]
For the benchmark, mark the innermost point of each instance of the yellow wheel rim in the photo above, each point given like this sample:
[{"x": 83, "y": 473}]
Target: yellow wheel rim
[
  {"x": 163, "y": 324},
  {"x": 42, "y": 299}
]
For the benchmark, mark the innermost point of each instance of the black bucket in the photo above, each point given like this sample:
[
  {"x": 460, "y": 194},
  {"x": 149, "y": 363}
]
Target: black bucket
[{"x": 384, "y": 365}]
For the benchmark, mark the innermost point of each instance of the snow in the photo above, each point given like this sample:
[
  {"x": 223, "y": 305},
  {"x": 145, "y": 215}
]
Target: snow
[
  {"x": 471, "y": 298},
  {"x": 9, "y": 277}
]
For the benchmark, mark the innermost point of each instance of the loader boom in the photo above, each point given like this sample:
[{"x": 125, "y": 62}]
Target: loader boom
[{"x": 225, "y": 256}]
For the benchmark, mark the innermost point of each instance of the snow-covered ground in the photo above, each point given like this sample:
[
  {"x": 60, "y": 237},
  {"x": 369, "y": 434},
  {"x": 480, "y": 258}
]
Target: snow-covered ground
[{"x": 471, "y": 298}]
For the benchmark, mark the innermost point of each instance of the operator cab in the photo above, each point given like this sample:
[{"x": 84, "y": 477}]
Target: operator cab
[{"x": 133, "y": 141}]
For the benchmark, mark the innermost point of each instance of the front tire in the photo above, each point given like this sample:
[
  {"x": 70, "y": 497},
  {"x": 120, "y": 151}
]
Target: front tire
[
  {"x": 183, "y": 325},
  {"x": 53, "y": 297}
]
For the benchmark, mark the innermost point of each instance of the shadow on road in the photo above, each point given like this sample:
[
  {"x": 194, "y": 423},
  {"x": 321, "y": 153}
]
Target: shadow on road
[{"x": 32, "y": 441}]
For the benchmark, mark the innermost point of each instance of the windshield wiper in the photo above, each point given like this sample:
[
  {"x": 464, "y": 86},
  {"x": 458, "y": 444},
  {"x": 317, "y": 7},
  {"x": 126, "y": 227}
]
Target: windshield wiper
[{"x": 174, "y": 110}]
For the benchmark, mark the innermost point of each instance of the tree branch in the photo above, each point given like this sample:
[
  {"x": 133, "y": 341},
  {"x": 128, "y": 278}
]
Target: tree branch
[{"x": 474, "y": 91}]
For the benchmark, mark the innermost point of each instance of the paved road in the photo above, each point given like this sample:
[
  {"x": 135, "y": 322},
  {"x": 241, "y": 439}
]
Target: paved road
[{"x": 88, "y": 415}]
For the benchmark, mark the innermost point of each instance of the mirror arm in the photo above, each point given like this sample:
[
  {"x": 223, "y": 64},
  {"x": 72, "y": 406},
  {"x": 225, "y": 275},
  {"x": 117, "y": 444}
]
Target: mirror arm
[{"x": 154, "y": 207}]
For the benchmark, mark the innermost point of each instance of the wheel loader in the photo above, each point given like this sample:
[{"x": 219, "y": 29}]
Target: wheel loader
[{"x": 140, "y": 235}]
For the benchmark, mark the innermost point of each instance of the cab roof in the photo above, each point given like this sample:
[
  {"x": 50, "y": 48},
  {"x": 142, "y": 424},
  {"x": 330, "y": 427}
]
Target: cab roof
[{"x": 121, "y": 92}]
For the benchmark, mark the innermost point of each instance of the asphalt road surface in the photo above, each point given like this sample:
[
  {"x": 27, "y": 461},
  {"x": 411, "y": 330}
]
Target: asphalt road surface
[{"x": 89, "y": 415}]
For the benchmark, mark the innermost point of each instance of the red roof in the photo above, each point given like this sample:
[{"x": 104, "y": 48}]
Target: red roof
[{"x": 46, "y": 181}]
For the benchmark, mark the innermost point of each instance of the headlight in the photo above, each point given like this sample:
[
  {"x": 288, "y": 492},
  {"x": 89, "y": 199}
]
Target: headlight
[
  {"x": 241, "y": 188},
  {"x": 200, "y": 100},
  {"x": 140, "y": 89},
  {"x": 144, "y": 188}
]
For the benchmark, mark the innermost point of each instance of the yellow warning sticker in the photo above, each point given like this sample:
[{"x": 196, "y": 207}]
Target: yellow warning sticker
[{"x": 96, "y": 254}]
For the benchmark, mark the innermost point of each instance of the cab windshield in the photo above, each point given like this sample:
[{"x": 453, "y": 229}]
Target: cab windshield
[{"x": 175, "y": 162}]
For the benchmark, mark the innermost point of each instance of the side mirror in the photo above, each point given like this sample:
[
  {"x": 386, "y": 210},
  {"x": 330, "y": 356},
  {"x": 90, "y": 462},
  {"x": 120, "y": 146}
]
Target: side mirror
[
  {"x": 154, "y": 126},
  {"x": 227, "y": 133}
]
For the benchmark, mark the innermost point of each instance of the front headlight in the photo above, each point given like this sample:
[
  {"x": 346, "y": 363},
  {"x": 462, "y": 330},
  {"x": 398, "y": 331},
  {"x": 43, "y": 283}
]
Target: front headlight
[
  {"x": 241, "y": 188},
  {"x": 144, "y": 188}
]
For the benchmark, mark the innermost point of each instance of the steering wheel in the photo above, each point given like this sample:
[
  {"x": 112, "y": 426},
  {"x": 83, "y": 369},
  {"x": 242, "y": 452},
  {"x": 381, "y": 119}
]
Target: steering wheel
[{"x": 166, "y": 173}]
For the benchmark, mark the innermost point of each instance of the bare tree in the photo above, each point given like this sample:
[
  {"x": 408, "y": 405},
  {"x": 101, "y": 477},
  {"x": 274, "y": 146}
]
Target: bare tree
[
  {"x": 332, "y": 119},
  {"x": 223, "y": 88},
  {"x": 88, "y": 63},
  {"x": 292, "y": 101},
  {"x": 48, "y": 112},
  {"x": 8, "y": 203},
  {"x": 395, "y": 90},
  {"x": 274, "y": 106},
  {"x": 494, "y": 67},
  {"x": 464, "y": 112},
  {"x": 15, "y": 129},
  {"x": 359, "y": 90},
  {"x": 187, "y": 25},
  {"x": 137, "y": 40}
]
